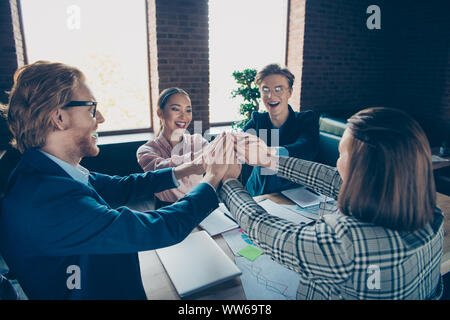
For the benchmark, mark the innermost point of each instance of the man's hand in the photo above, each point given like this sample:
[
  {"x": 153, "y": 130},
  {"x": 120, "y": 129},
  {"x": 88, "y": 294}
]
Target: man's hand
[
  {"x": 187, "y": 169},
  {"x": 254, "y": 151}
]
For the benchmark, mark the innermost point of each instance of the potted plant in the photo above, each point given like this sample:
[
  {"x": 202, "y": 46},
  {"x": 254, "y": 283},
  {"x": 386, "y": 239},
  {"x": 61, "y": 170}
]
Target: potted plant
[{"x": 249, "y": 91}]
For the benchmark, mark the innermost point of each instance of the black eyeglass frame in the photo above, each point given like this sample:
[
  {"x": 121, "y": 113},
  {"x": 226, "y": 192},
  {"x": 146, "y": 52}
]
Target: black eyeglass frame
[{"x": 83, "y": 104}]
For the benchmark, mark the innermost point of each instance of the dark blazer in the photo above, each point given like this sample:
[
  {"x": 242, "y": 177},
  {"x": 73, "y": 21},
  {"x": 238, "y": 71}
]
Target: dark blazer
[
  {"x": 50, "y": 223},
  {"x": 299, "y": 137}
]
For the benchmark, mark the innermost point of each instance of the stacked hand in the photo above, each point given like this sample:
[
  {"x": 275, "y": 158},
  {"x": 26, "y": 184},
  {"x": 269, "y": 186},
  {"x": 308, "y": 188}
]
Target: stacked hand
[
  {"x": 254, "y": 151},
  {"x": 222, "y": 158}
]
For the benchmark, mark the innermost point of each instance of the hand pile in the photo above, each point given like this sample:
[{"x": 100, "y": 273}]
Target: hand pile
[{"x": 223, "y": 157}]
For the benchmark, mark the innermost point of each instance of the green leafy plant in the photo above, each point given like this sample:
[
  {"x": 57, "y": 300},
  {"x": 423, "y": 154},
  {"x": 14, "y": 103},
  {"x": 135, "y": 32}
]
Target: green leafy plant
[{"x": 249, "y": 91}]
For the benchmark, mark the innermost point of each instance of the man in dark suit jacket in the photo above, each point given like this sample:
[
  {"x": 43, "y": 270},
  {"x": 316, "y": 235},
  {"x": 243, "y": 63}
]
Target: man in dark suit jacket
[
  {"x": 64, "y": 231},
  {"x": 294, "y": 134}
]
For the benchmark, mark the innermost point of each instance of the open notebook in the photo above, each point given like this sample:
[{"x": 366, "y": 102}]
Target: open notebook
[{"x": 196, "y": 263}]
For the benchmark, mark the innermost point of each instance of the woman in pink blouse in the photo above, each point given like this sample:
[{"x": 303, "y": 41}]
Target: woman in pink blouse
[{"x": 173, "y": 146}]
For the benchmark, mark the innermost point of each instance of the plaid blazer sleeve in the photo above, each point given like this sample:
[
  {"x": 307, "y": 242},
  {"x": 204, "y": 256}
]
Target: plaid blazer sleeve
[
  {"x": 321, "y": 252},
  {"x": 319, "y": 177}
]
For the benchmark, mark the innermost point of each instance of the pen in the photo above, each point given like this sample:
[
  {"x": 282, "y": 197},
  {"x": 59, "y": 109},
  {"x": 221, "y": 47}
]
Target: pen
[{"x": 227, "y": 215}]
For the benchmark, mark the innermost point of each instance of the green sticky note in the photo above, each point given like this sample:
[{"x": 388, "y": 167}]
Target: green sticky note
[{"x": 250, "y": 252}]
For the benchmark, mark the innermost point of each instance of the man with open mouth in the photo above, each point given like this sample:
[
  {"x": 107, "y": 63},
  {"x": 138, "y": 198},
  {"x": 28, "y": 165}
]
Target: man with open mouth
[{"x": 294, "y": 134}]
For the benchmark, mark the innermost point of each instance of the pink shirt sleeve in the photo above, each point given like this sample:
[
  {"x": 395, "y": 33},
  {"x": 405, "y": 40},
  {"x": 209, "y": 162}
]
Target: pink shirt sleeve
[{"x": 154, "y": 155}]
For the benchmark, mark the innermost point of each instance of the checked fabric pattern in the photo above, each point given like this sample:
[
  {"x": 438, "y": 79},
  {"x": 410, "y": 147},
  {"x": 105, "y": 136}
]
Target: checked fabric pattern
[{"x": 340, "y": 257}]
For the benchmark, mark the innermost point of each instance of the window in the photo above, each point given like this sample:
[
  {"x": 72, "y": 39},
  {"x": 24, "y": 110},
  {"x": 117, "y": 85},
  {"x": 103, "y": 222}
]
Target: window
[
  {"x": 243, "y": 34},
  {"x": 107, "y": 41}
]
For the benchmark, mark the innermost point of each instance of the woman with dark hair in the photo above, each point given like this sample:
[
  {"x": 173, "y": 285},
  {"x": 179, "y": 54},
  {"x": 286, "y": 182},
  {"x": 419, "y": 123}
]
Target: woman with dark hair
[
  {"x": 293, "y": 134},
  {"x": 173, "y": 145},
  {"x": 385, "y": 241}
]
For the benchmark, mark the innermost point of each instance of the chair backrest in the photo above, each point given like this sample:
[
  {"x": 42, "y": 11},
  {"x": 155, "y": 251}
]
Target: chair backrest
[
  {"x": 328, "y": 149},
  {"x": 7, "y": 291},
  {"x": 331, "y": 130},
  {"x": 446, "y": 282}
]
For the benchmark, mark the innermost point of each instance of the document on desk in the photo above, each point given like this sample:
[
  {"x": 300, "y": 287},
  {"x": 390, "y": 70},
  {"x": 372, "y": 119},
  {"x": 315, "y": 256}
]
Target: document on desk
[
  {"x": 218, "y": 221},
  {"x": 280, "y": 211},
  {"x": 263, "y": 278},
  {"x": 303, "y": 197},
  {"x": 196, "y": 263}
]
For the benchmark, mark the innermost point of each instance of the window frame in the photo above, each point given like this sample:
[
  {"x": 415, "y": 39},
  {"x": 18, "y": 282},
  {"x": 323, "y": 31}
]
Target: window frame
[{"x": 151, "y": 127}]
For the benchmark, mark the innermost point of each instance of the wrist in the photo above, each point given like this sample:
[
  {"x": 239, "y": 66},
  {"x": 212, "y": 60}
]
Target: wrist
[
  {"x": 211, "y": 179},
  {"x": 225, "y": 180},
  {"x": 184, "y": 170}
]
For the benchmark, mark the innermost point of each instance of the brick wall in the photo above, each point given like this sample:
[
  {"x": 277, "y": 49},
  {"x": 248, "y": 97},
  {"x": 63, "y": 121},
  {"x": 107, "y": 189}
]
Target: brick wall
[
  {"x": 346, "y": 67},
  {"x": 12, "y": 55},
  {"x": 294, "y": 46},
  {"x": 343, "y": 61},
  {"x": 182, "y": 57}
]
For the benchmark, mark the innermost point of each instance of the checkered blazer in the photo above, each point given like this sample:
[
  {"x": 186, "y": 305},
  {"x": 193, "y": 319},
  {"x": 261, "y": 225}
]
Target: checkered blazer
[{"x": 340, "y": 257}]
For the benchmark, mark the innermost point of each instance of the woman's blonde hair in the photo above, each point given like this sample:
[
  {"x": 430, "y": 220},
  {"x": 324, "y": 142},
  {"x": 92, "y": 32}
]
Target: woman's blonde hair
[
  {"x": 390, "y": 181},
  {"x": 39, "y": 89}
]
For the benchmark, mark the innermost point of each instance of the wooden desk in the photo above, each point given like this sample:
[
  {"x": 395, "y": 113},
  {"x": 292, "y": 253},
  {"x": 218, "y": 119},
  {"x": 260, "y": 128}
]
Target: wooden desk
[{"x": 158, "y": 285}]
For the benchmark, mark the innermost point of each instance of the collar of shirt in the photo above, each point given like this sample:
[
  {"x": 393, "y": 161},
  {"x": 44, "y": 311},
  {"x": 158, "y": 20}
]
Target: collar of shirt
[{"x": 78, "y": 173}]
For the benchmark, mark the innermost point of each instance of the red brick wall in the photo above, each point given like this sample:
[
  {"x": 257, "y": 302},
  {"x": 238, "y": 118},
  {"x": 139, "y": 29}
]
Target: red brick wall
[
  {"x": 346, "y": 67},
  {"x": 343, "y": 61},
  {"x": 182, "y": 58},
  {"x": 294, "y": 46}
]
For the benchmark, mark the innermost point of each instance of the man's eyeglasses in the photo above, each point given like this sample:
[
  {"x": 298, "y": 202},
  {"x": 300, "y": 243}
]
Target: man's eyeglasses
[
  {"x": 83, "y": 104},
  {"x": 278, "y": 90}
]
